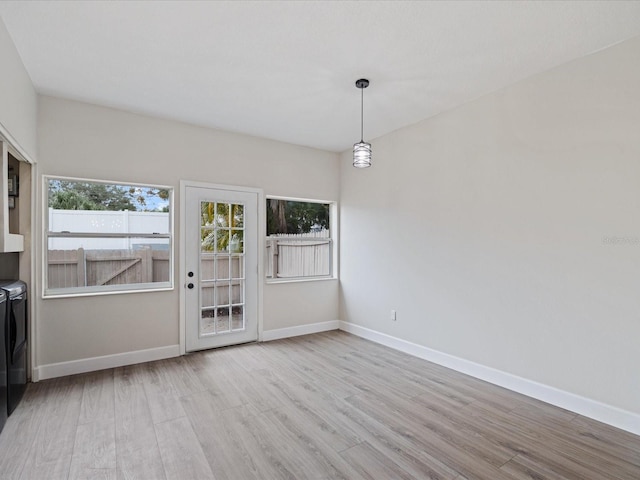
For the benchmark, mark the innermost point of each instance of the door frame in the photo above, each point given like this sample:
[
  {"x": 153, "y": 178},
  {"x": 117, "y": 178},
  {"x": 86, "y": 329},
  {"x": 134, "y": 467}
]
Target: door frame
[{"x": 183, "y": 254}]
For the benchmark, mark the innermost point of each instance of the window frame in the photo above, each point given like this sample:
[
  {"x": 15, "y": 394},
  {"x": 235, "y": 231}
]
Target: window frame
[
  {"x": 333, "y": 241},
  {"x": 108, "y": 289}
]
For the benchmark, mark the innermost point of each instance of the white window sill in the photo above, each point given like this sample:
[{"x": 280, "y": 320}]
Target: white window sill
[
  {"x": 93, "y": 293},
  {"x": 273, "y": 281}
]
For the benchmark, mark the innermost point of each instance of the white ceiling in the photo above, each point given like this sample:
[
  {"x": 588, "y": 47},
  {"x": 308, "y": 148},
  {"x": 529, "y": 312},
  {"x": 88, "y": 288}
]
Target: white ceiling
[{"x": 285, "y": 70}]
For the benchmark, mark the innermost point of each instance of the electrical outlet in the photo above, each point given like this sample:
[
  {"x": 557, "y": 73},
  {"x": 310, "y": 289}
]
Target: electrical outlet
[{"x": 393, "y": 315}]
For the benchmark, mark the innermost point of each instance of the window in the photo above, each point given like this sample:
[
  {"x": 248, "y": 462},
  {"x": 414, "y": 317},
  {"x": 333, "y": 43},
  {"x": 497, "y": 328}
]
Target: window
[
  {"x": 299, "y": 239},
  {"x": 104, "y": 237}
]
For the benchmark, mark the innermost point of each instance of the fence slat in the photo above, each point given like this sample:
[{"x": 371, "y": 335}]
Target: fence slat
[{"x": 82, "y": 273}]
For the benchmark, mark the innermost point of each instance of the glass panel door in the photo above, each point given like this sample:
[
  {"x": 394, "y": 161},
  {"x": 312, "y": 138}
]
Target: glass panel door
[{"x": 221, "y": 296}]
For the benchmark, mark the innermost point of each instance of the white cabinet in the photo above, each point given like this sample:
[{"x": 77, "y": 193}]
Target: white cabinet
[{"x": 15, "y": 202}]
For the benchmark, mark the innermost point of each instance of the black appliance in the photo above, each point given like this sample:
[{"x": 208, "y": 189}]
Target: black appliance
[
  {"x": 3, "y": 360},
  {"x": 16, "y": 340}
]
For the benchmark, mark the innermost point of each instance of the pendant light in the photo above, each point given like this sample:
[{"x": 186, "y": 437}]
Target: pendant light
[{"x": 362, "y": 150}]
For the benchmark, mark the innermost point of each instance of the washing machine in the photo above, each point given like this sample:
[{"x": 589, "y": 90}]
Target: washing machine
[
  {"x": 15, "y": 341},
  {"x": 3, "y": 360}
]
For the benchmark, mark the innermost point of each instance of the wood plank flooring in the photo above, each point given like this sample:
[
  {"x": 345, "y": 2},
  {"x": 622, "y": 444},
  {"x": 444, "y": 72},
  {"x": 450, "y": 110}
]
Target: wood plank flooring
[{"x": 321, "y": 406}]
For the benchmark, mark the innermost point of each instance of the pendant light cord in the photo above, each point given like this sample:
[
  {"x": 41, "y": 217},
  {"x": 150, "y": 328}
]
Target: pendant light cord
[{"x": 362, "y": 115}]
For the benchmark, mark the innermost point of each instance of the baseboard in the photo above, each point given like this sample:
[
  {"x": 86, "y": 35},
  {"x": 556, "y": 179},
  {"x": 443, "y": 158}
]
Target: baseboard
[
  {"x": 601, "y": 412},
  {"x": 53, "y": 370},
  {"x": 278, "y": 333}
]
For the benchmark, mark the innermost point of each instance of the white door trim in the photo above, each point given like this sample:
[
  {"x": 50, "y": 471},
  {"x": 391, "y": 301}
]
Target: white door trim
[{"x": 262, "y": 228}]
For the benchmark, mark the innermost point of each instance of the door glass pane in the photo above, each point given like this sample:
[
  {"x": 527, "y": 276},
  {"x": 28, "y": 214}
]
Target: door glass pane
[
  {"x": 237, "y": 317},
  {"x": 221, "y": 215},
  {"x": 207, "y": 210},
  {"x": 237, "y": 266},
  {"x": 236, "y": 243},
  {"x": 208, "y": 295},
  {"x": 222, "y": 294},
  {"x": 207, "y": 325},
  {"x": 238, "y": 216},
  {"x": 222, "y": 288},
  {"x": 222, "y": 264},
  {"x": 236, "y": 293},
  {"x": 223, "y": 323},
  {"x": 207, "y": 266},
  {"x": 207, "y": 239}
]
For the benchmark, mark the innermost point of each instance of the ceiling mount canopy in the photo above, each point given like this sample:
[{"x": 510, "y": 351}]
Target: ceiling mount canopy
[{"x": 362, "y": 149}]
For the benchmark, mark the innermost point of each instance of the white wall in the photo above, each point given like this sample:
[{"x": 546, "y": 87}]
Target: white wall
[
  {"x": 489, "y": 229},
  {"x": 82, "y": 140},
  {"x": 18, "y": 111},
  {"x": 18, "y": 101}
]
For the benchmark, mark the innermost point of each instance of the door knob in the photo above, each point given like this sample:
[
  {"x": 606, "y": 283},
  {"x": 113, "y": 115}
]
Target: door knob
[
  {"x": 190, "y": 286},
  {"x": 190, "y": 274}
]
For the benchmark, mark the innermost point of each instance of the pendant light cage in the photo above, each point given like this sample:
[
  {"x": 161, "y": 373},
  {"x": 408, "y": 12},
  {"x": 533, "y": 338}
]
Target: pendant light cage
[
  {"x": 362, "y": 150},
  {"x": 362, "y": 155}
]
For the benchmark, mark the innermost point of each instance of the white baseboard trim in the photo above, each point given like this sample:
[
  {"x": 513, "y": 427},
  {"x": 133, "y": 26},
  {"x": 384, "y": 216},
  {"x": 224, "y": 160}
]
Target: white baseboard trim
[
  {"x": 278, "y": 333},
  {"x": 601, "y": 412},
  {"x": 54, "y": 370}
]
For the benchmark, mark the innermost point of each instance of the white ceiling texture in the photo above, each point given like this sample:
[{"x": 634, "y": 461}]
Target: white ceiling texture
[{"x": 285, "y": 70}]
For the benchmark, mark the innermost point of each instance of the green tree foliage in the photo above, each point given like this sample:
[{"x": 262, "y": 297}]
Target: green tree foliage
[
  {"x": 77, "y": 195},
  {"x": 222, "y": 227},
  {"x": 287, "y": 216},
  {"x": 70, "y": 200}
]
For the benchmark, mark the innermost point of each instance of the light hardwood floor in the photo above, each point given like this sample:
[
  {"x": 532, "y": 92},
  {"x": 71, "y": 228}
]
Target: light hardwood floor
[{"x": 328, "y": 405}]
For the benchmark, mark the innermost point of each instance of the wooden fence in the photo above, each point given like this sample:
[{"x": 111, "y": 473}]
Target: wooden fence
[
  {"x": 222, "y": 279},
  {"x": 298, "y": 255},
  {"x": 289, "y": 256},
  {"x": 79, "y": 268}
]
